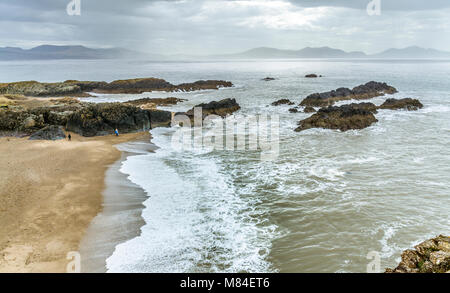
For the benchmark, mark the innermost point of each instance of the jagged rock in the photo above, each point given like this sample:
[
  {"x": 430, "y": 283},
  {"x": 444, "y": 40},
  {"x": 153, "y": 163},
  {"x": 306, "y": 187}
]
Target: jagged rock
[
  {"x": 51, "y": 132},
  {"x": 344, "y": 118},
  {"x": 367, "y": 91},
  {"x": 127, "y": 86},
  {"x": 293, "y": 110},
  {"x": 309, "y": 110},
  {"x": 283, "y": 102},
  {"x": 103, "y": 118},
  {"x": 431, "y": 256},
  {"x": 407, "y": 104},
  {"x": 268, "y": 79},
  {"x": 221, "y": 108}
]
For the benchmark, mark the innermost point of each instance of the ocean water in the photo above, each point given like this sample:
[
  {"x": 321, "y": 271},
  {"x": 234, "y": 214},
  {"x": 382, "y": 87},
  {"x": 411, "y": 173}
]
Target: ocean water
[{"x": 327, "y": 201}]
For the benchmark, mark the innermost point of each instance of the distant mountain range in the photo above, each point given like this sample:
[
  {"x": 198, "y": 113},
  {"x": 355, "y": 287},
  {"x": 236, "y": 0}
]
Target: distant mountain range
[
  {"x": 51, "y": 52},
  {"x": 327, "y": 52}
]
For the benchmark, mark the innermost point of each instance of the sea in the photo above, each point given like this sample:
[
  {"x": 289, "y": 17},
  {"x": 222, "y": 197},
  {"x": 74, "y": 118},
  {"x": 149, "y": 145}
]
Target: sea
[{"x": 328, "y": 202}]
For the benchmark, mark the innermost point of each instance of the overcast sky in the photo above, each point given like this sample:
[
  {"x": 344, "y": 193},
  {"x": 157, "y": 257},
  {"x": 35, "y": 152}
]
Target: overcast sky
[{"x": 214, "y": 27}]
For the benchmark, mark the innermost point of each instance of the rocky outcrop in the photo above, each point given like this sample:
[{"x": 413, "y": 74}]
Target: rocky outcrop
[
  {"x": 51, "y": 132},
  {"x": 312, "y": 75},
  {"x": 148, "y": 103},
  {"x": 20, "y": 121},
  {"x": 128, "y": 86},
  {"x": 37, "y": 89},
  {"x": 203, "y": 85},
  {"x": 406, "y": 104},
  {"x": 309, "y": 110},
  {"x": 293, "y": 110},
  {"x": 221, "y": 108},
  {"x": 103, "y": 118},
  {"x": 431, "y": 256},
  {"x": 283, "y": 102},
  {"x": 344, "y": 118},
  {"x": 159, "y": 118},
  {"x": 371, "y": 107},
  {"x": 367, "y": 91},
  {"x": 268, "y": 79}
]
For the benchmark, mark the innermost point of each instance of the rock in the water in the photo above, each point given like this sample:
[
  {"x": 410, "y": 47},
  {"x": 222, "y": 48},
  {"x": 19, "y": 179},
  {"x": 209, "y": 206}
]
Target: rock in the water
[
  {"x": 221, "y": 108},
  {"x": 367, "y": 91},
  {"x": 268, "y": 79},
  {"x": 309, "y": 110},
  {"x": 344, "y": 118},
  {"x": 431, "y": 256},
  {"x": 51, "y": 132},
  {"x": 312, "y": 75},
  {"x": 149, "y": 103},
  {"x": 293, "y": 110},
  {"x": 103, "y": 118},
  {"x": 371, "y": 107},
  {"x": 283, "y": 102},
  {"x": 407, "y": 104}
]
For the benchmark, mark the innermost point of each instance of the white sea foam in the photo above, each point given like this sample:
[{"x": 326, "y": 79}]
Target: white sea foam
[{"x": 195, "y": 222}]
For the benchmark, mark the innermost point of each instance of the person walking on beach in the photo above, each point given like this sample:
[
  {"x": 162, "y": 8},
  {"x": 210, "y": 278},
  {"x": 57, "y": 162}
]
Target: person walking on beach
[
  {"x": 116, "y": 132},
  {"x": 69, "y": 137}
]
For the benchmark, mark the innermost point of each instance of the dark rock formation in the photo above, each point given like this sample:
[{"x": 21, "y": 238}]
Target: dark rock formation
[
  {"x": 160, "y": 118},
  {"x": 203, "y": 85},
  {"x": 221, "y": 108},
  {"x": 103, "y": 118},
  {"x": 407, "y": 104},
  {"x": 309, "y": 110},
  {"x": 344, "y": 118},
  {"x": 37, "y": 89},
  {"x": 51, "y": 132},
  {"x": 148, "y": 103},
  {"x": 283, "y": 102},
  {"x": 128, "y": 86},
  {"x": 371, "y": 107},
  {"x": 268, "y": 79},
  {"x": 431, "y": 256},
  {"x": 293, "y": 110},
  {"x": 367, "y": 91},
  {"x": 312, "y": 75}
]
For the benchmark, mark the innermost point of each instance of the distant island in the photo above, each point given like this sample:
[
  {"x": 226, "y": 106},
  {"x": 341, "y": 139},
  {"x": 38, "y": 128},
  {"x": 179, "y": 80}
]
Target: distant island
[{"x": 52, "y": 52}]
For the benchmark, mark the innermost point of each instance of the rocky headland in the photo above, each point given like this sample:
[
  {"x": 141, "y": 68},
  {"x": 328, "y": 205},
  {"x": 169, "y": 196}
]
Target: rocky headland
[
  {"x": 75, "y": 88},
  {"x": 366, "y": 91},
  {"x": 430, "y": 256}
]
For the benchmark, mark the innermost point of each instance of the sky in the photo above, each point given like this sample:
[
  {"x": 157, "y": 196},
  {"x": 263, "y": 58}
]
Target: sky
[{"x": 199, "y": 27}]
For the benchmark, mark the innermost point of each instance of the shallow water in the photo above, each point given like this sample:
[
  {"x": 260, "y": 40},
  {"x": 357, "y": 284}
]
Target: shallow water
[{"x": 327, "y": 201}]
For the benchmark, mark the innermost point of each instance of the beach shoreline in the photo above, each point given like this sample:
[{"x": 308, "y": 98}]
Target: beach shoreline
[
  {"x": 50, "y": 191},
  {"x": 121, "y": 216}
]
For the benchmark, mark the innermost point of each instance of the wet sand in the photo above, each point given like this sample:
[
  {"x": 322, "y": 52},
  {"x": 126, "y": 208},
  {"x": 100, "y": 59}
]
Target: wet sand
[
  {"x": 49, "y": 193},
  {"x": 120, "y": 219}
]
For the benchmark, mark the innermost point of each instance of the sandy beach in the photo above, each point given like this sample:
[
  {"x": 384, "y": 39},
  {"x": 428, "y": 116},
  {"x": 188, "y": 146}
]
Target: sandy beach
[{"x": 50, "y": 191}]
